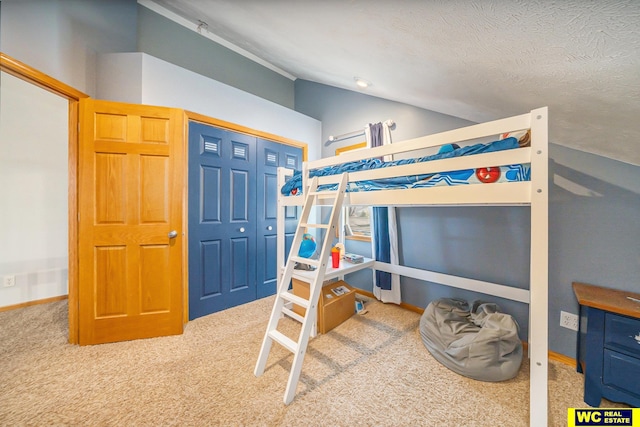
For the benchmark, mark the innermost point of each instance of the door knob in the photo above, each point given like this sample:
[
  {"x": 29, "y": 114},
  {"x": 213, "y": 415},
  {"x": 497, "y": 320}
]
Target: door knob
[
  {"x": 242, "y": 229},
  {"x": 173, "y": 234},
  {"x": 269, "y": 228}
]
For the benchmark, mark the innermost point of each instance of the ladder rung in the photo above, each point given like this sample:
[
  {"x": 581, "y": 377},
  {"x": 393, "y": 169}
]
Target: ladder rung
[
  {"x": 284, "y": 340},
  {"x": 292, "y": 314},
  {"x": 295, "y": 299},
  {"x": 328, "y": 193},
  {"x": 304, "y": 225},
  {"x": 307, "y": 261}
]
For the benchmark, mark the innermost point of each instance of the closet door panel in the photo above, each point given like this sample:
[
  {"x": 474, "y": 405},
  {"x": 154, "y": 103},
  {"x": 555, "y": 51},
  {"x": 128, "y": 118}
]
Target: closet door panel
[
  {"x": 210, "y": 282},
  {"x": 272, "y": 155},
  {"x": 241, "y": 264},
  {"x": 222, "y": 219},
  {"x": 210, "y": 184}
]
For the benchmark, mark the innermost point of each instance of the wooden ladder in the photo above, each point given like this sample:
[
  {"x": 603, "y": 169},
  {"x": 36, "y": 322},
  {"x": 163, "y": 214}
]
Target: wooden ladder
[{"x": 283, "y": 295}]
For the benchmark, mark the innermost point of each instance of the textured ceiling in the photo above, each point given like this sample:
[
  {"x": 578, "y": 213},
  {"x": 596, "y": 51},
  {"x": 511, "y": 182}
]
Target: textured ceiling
[{"x": 479, "y": 60}]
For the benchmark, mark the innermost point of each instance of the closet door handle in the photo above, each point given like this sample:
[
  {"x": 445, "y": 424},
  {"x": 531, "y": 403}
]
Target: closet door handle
[
  {"x": 242, "y": 229},
  {"x": 269, "y": 228},
  {"x": 173, "y": 234}
]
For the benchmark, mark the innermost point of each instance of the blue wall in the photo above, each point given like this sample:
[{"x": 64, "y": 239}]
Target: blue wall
[
  {"x": 62, "y": 38},
  {"x": 591, "y": 239},
  {"x": 160, "y": 37}
]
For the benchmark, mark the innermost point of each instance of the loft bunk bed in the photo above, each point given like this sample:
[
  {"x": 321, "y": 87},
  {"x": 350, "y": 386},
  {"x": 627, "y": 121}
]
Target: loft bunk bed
[{"x": 427, "y": 180}]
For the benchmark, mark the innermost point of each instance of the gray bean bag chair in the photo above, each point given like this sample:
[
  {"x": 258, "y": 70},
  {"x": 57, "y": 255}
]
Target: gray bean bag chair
[{"x": 481, "y": 343}]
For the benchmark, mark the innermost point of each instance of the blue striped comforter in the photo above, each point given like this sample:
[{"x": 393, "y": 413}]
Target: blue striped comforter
[{"x": 508, "y": 173}]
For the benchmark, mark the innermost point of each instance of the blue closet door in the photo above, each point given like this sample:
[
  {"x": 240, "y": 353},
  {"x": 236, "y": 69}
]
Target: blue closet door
[
  {"x": 272, "y": 155},
  {"x": 222, "y": 219}
]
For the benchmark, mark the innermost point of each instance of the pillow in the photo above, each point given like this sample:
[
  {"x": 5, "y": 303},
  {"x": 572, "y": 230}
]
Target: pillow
[{"x": 447, "y": 148}]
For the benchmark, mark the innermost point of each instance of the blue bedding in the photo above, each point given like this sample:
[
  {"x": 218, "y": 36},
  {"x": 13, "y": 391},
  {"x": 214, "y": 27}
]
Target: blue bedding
[{"x": 469, "y": 176}]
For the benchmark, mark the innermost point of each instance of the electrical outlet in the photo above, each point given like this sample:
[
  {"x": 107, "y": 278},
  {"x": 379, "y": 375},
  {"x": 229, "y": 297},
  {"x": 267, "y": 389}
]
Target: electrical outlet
[
  {"x": 569, "y": 320},
  {"x": 9, "y": 281}
]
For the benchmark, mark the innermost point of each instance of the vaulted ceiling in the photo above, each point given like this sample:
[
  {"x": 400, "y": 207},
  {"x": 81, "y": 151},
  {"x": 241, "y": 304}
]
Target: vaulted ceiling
[{"x": 476, "y": 59}]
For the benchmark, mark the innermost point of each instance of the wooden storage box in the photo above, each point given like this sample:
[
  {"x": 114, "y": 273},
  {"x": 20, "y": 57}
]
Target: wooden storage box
[{"x": 333, "y": 309}]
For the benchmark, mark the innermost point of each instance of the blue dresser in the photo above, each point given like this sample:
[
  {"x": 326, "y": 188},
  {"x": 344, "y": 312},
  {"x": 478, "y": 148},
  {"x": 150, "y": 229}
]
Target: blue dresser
[{"x": 609, "y": 344}]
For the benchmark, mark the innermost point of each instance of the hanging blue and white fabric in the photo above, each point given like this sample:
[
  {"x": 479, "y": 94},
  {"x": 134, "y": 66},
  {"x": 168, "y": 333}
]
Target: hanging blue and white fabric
[{"x": 384, "y": 236}]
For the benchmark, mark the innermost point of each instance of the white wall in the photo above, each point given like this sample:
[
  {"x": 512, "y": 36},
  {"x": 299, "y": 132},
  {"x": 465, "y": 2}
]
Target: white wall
[
  {"x": 33, "y": 191},
  {"x": 144, "y": 79},
  {"x": 60, "y": 38},
  {"x": 63, "y": 39}
]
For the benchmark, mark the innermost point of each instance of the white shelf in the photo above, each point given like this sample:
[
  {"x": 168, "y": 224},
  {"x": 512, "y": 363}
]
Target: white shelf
[{"x": 331, "y": 273}]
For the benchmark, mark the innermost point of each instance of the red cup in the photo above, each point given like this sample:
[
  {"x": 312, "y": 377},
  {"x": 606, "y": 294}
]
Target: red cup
[{"x": 335, "y": 259}]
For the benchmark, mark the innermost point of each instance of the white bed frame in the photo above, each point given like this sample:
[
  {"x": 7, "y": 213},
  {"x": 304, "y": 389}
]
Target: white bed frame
[{"x": 532, "y": 193}]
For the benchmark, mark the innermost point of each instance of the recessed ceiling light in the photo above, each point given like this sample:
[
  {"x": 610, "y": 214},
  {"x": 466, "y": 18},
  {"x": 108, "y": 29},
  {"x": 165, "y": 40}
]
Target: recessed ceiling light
[{"x": 362, "y": 82}]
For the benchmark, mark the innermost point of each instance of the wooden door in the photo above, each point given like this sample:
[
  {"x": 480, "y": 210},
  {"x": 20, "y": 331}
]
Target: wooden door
[
  {"x": 272, "y": 155},
  {"x": 130, "y": 202},
  {"x": 222, "y": 219}
]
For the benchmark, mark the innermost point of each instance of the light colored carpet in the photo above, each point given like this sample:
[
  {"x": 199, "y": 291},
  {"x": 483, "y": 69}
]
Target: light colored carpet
[{"x": 372, "y": 370}]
